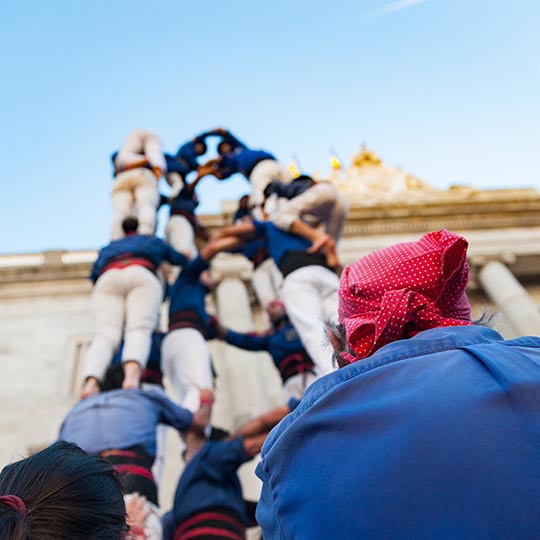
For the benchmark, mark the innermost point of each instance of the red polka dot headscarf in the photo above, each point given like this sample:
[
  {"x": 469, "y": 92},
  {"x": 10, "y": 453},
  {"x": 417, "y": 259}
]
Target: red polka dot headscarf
[{"x": 396, "y": 292}]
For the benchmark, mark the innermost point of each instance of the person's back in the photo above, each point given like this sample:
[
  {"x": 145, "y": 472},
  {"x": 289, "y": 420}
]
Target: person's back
[
  {"x": 438, "y": 438},
  {"x": 430, "y": 428}
]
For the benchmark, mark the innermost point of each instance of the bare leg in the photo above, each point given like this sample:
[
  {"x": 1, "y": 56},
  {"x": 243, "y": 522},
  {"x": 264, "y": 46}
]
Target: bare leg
[
  {"x": 90, "y": 388},
  {"x": 132, "y": 375}
]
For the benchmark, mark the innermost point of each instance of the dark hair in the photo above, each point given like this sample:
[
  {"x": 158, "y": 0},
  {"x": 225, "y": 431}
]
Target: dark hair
[
  {"x": 113, "y": 378},
  {"x": 222, "y": 145},
  {"x": 68, "y": 494},
  {"x": 130, "y": 224},
  {"x": 203, "y": 150}
]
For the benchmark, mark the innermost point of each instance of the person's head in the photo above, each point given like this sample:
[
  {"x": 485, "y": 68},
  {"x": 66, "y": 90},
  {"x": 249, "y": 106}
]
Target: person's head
[
  {"x": 224, "y": 147},
  {"x": 130, "y": 225},
  {"x": 397, "y": 292},
  {"x": 243, "y": 203},
  {"x": 276, "y": 311},
  {"x": 61, "y": 493},
  {"x": 200, "y": 148}
]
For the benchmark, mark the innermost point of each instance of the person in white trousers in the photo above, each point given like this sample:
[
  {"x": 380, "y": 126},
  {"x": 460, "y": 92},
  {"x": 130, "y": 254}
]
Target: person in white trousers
[
  {"x": 185, "y": 353},
  {"x": 309, "y": 289},
  {"x": 316, "y": 202},
  {"x": 126, "y": 299},
  {"x": 138, "y": 167}
]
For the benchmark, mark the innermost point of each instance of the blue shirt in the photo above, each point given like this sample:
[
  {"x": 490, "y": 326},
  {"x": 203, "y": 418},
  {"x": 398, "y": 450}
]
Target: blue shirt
[
  {"x": 187, "y": 293},
  {"x": 289, "y": 191},
  {"x": 187, "y": 152},
  {"x": 283, "y": 344},
  {"x": 121, "y": 419},
  {"x": 136, "y": 245},
  {"x": 178, "y": 165},
  {"x": 209, "y": 480},
  {"x": 279, "y": 242},
  {"x": 236, "y": 144},
  {"x": 434, "y": 437},
  {"x": 242, "y": 161},
  {"x": 185, "y": 201}
]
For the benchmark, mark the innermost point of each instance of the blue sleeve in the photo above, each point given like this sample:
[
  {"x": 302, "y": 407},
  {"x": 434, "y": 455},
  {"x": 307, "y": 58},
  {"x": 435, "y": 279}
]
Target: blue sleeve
[
  {"x": 247, "y": 341},
  {"x": 233, "y": 141},
  {"x": 267, "y": 517},
  {"x": 194, "y": 268},
  {"x": 228, "y": 454},
  {"x": 170, "y": 413},
  {"x": 98, "y": 266},
  {"x": 260, "y": 228},
  {"x": 174, "y": 257},
  {"x": 169, "y": 526}
]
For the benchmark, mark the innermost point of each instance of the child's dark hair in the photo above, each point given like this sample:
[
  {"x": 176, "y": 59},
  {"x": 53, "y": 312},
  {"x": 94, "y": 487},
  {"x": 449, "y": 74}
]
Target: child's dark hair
[{"x": 65, "y": 494}]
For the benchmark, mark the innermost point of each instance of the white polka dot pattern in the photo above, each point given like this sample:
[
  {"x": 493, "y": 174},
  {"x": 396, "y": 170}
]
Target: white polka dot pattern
[{"x": 396, "y": 292}]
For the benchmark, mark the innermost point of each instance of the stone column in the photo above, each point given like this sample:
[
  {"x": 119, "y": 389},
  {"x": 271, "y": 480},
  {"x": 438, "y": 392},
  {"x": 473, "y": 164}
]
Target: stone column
[{"x": 511, "y": 297}]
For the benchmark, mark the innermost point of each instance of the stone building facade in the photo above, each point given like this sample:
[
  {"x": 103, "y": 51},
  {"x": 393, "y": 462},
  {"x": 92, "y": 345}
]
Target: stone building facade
[{"x": 45, "y": 320}]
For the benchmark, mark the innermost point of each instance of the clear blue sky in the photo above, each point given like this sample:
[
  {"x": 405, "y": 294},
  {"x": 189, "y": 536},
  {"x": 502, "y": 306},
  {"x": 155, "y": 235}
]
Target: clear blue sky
[{"x": 447, "y": 89}]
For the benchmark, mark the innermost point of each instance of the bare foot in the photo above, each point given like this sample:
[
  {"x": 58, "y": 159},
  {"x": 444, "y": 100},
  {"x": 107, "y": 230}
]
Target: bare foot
[
  {"x": 90, "y": 388},
  {"x": 132, "y": 375}
]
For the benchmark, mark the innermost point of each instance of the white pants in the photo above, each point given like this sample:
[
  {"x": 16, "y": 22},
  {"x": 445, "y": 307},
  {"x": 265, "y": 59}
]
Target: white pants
[
  {"x": 186, "y": 363},
  {"x": 322, "y": 201},
  {"x": 310, "y": 297},
  {"x": 262, "y": 174},
  {"x": 267, "y": 281},
  {"x": 141, "y": 144},
  {"x": 135, "y": 193},
  {"x": 128, "y": 300},
  {"x": 295, "y": 386},
  {"x": 179, "y": 233}
]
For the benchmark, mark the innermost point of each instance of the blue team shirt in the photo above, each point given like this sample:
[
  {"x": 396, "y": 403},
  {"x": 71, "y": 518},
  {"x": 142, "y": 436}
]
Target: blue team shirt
[
  {"x": 437, "y": 436},
  {"x": 280, "y": 343},
  {"x": 279, "y": 242},
  {"x": 210, "y": 481},
  {"x": 242, "y": 161},
  {"x": 138, "y": 245},
  {"x": 120, "y": 419},
  {"x": 180, "y": 166},
  {"x": 187, "y": 293}
]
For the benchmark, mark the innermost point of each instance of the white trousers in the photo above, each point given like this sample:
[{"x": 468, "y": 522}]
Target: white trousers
[
  {"x": 179, "y": 233},
  {"x": 186, "y": 363},
  {"x": 295, "y": 386},
  {"x": 321, "y": 202},
  {"x": 262, "y": 174},
  {"x": 267, "y": 281},
  {"x": 310, "y": 297},
  {"x": 141, "y": 144},
  {"x": 135, "y": 193},
  {"x": 123, "y": 300}
]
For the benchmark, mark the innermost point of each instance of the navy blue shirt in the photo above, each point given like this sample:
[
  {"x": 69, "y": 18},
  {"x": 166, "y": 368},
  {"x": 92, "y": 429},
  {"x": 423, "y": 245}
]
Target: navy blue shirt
[
  {"x": 433, "y": 437},
  {"x": 185, "y": 201},
  {"x": 236, "y": 144},
  {"x": 179, "y": 166},
  {"x": 279, "y": 242},
  {"x": 120, "y": 419},
  {"x": 289, "y": 191},
  {"x": 137, "y": 245},
  {"x": 187, "y": 152},
  {"x": 187, "y": 293},
  {"x": 283, "y": 344},
  {"x": 242, "y": 162},
  {"x": 209, "y": 481}
]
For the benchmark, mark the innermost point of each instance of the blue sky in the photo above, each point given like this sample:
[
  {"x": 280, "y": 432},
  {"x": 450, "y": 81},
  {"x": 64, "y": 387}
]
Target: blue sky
[{"x": 447, "y": 89}]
